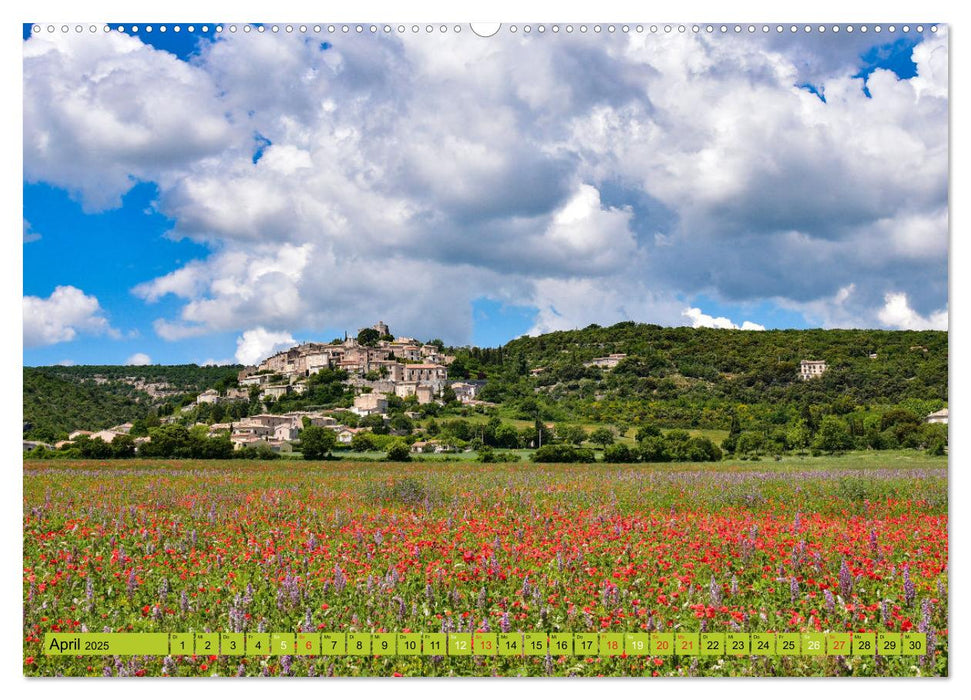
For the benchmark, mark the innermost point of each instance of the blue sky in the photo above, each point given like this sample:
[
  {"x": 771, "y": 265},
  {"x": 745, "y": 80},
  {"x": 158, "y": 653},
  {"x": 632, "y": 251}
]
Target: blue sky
[{"x": 306, "y": 209}]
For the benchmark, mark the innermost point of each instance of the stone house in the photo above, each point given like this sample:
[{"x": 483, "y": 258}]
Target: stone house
[
  {"x": 810, "y": 369},
  {"x": 466, "y": 392},
  {"x": 271, "y": 420},
  {"x": 345, "y": 435},
  {"x": 425, "y": 372},
  {"x": 285, "y": 432},
  {"x": 405, "y": 389},
  {"x": 608, "y": 362},
  {"x": 366, "y": 404},
  {"x": 208, "y": 396},
  {"x": 425, "y": 393},
  {"x": 275, "y": 391},
  {"x": 426, "y": 446}
]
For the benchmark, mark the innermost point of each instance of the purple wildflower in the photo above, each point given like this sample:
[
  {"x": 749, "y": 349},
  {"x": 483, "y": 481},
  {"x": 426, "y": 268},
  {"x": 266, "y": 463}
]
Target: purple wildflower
[
  {"x": 714, "y": 592},
  {"x": 846, "y": 581},
  {"x": 910, "y": 590},
  {"x": 340, "y": 581},
  {"x": 168, "y": 666}
]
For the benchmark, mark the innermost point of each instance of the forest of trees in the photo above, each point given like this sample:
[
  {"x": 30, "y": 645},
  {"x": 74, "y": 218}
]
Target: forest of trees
[
  {"x": 704, "y": 378},
  {"x": 57, "y": 400}
]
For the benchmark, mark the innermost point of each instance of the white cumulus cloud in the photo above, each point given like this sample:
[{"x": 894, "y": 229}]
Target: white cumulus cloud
[
  {"x": 61, "y": 316},
  {"x": 897, "y": 313},
  {"x": 595, "y": 178},
  {"x": 102, "y": 111},
  {"x": 139, "y": 359},
  {"x": 258, "y": 343},
  {"x": 699, "y": 319}
]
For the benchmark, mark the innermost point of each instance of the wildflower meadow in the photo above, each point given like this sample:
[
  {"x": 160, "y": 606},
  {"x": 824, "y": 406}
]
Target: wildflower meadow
[{"x": 818, "y": 545}]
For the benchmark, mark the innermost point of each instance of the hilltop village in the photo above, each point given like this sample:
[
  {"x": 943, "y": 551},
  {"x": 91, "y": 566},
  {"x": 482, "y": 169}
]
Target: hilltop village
[{"x": 376, "y": 366}]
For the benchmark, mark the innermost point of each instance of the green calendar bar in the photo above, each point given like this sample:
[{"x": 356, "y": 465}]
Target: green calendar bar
[
  {"x": 308, "y": 644},
  {"x": 207, "y": 644},
  {"x": 108, "y": 644},
  {"x": 838, "y": 644},
  {"x": 586, "y": 644},
  {"x": 581, "y": 644},
  {"x": 331, "y": 644},
  {"x": 459, "y": 644},
  {"x": 637, "y": 644},
  {"x": 485, "y": 643},
  {"x": 384, "y": 644},
  {"x": 182, "y": 644},
  {"x": 433, "y": 644},
  {"x": 712, "y": 644},
  {"x": 611, "y": 644},
  {"x": 914, "y": 644},
  {"x": 762, "y": 643},
  {"x": 232, "y": 644},
  {"x": 738, "y": 644},
  {"x": 889, "y": 643},
  {"x": 662, "y": 644},
  {"x": 561, "y": 644},
  {"x": 787, "y": 644},
  {"x": 864, "y": 643},
  {"x": 409, "y": 644},
  {"x": 687, "y": 644},
  {"x": 534, "y": 643},
  {"x": 358, "y": 643},
  {"x": 813, "y": 644}
]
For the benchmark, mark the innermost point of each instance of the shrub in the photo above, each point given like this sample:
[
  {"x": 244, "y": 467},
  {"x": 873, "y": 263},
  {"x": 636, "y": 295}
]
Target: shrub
[
  {"x": 618, "y": 454},
  {"x": 261, "y": 451},
  {"x": 553, "y": 453},
  {"x": 602, "y": 436},
  {"x": 584, "y": 455},
  {"x": 317, "y": 442},
  {"x": 398, "y": 451},
  {"x": 362, "y": 442}
]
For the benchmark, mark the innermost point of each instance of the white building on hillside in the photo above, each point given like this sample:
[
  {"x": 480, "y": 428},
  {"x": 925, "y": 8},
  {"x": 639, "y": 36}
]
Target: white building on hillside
[{"x": 809, "y": 369}]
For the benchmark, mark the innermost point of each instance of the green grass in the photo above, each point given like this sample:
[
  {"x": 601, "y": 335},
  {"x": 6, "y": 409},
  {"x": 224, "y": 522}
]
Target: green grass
[
  {"x": 713, "y": 434},
  {"x": 864, "y": 460}
]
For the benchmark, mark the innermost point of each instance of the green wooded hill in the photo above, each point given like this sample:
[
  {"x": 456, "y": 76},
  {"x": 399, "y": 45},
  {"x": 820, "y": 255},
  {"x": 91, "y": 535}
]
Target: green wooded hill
[
  {"x": 59, "y": 399},
  {"x": 701, "y": 377},
  {"x": 672, "y": 377}
]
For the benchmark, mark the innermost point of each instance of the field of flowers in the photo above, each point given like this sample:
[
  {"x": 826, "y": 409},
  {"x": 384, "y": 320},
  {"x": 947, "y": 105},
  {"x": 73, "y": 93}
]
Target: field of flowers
[{"x": 150, "y": 546}]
